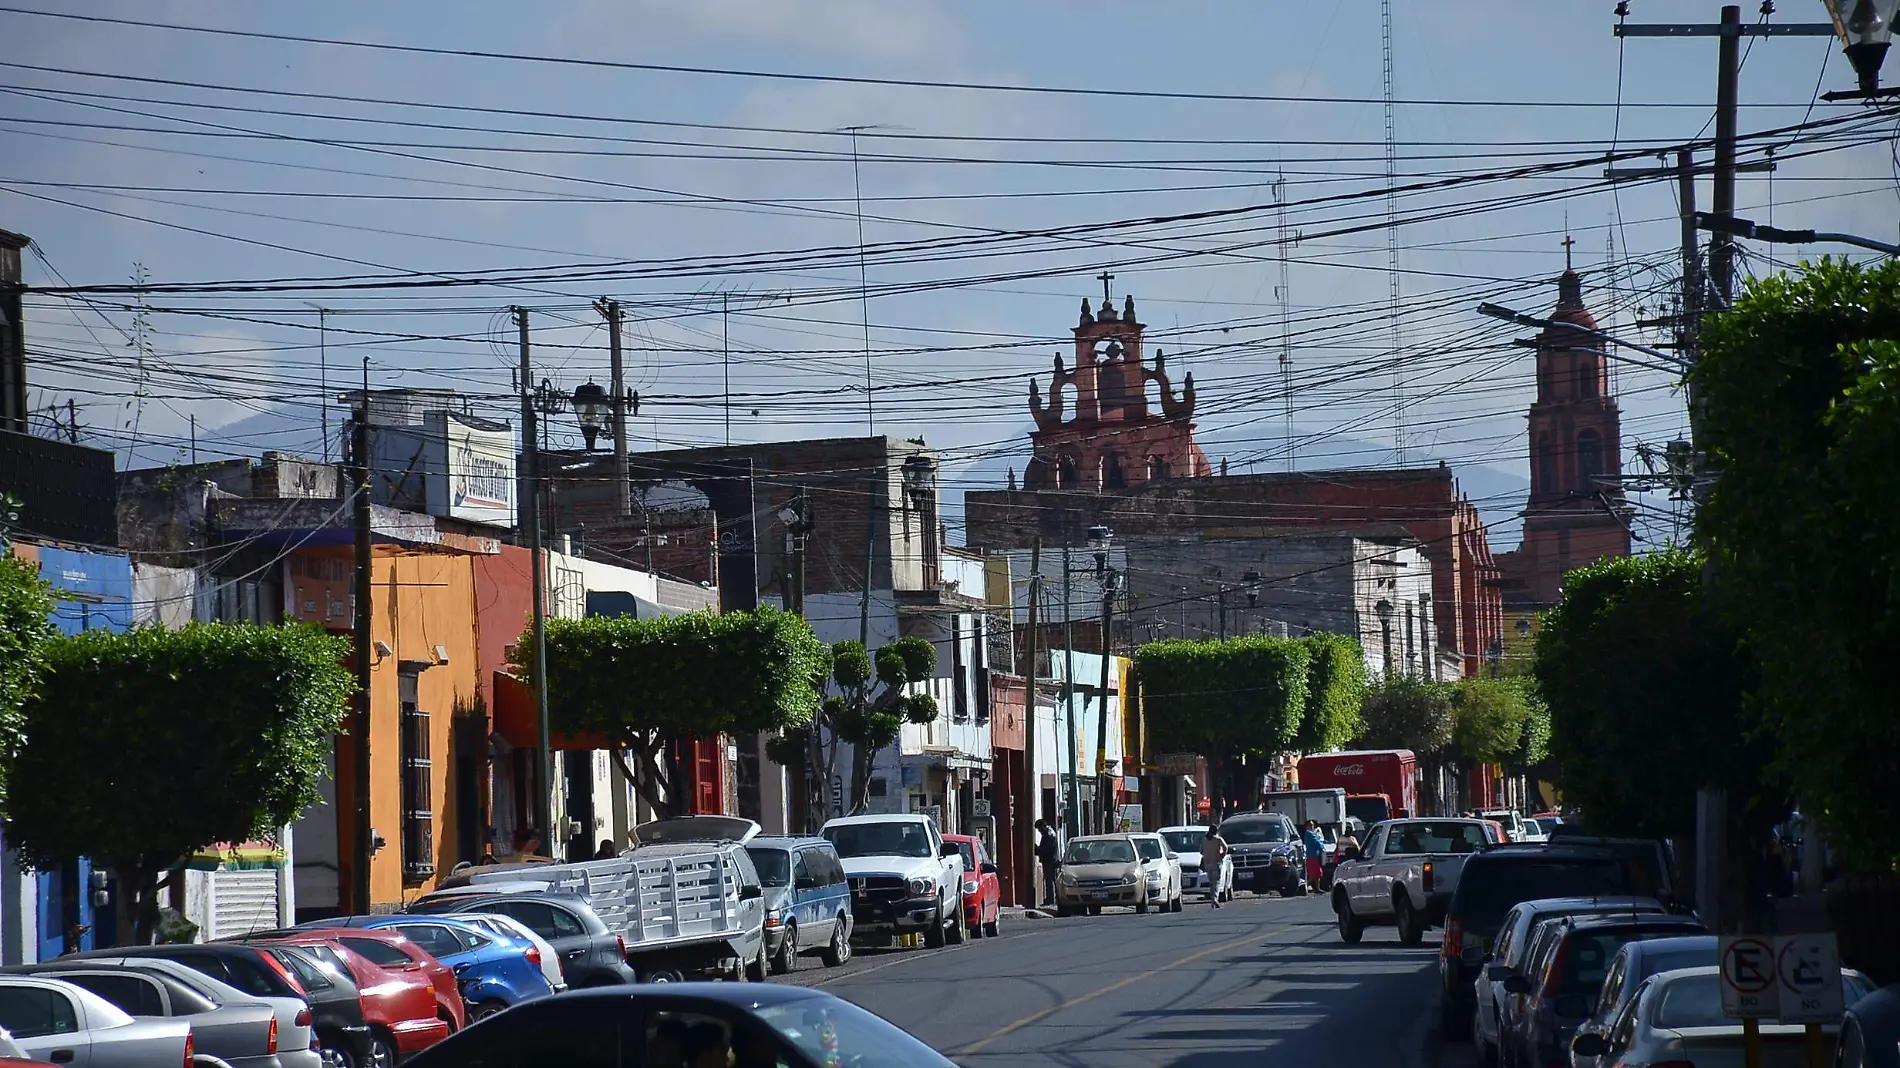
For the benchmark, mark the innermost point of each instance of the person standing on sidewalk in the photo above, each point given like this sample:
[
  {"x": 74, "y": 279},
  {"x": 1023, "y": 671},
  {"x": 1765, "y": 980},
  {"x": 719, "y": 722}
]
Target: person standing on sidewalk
[
  {"x": 1048, "y": 850},
  {"x": 1315, "y": 852},
  {"x": 1213, "y": 851}
]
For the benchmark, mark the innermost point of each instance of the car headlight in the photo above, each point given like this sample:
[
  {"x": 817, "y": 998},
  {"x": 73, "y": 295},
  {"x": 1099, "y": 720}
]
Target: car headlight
[
  {"x": 772, "y": 917},
  {"x": 1065, "y": 877},
  {"x": 969, "y": 888},
  {"x": 1154, "y": 876},
  {"x": 922, "y": 887},
  {"x": 1129, "y": 880},
  {"x": 1282, "y": 858}
]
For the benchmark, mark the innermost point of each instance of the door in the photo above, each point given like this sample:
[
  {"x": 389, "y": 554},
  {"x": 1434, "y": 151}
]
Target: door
[
  {"x": 45, "y": 1025},
  {"x": 1361, "y": 873},
  {"x": 814, "y": 927}
]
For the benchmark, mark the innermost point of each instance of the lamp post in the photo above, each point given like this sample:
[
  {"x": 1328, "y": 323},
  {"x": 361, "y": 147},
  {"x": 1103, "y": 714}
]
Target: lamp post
[
  {"x": 1777, "y": 235},
  {"x": 1099, "y": 539},
  {"x": 1865, "y": 28},
  {"x": 594, "y": 408},
  {"x": 1384, "y": 608}
]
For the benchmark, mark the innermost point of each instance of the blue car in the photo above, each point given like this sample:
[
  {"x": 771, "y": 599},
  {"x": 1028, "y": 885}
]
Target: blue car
[
  {"x": 495, "y": 972},
  {"x": 808, "y": 904}
]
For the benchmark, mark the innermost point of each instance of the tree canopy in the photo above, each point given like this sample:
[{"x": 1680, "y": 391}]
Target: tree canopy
[
  {"x": 1488, "y": 719},
  {"x": 1407, "y": 712},
  {"x": 144, "y": 746},
  {"x": 1239, "y": 696},
  {"x": 1335, "y": 687},
  {"x": 1645, "y": 682},
  {"x": 1799, "y": 388},
  {"x": 26, "y": 606}
]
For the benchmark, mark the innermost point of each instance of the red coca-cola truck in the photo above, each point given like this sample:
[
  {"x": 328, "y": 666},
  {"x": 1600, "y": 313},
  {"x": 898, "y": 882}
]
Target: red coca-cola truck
[{"x": 1380, "y": 784}]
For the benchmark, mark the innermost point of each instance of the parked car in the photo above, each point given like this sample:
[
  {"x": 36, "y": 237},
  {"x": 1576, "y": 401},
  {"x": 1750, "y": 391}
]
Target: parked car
[
  {"x": 1870, "y": 1033},
  {"x": 393, "y": 953},
  {"x": 797, "y": 1027},
  {"x": 1512, "y": 947},
  {"x": 1267, "y": 853},
  {"x": 903, "y": 876},
  {"x": 1548, "y": 822},
  {"x": 807, "y": 901},
  {"x": 399, "y": 1004},
  {"x": 1515, "y": 826},
  {"x": 1563, "y": 975},
  {"x": 1647, "y": 860},
  {"x": 1161, "y": 868},
  {"x": 55, "y": 1021},
  {"x": 587, "y": 952},
  {"x": 1491, "y": 883},
  {"x": 509, "y": 927},
  {"x": 1676, "y": 1017},
  {"x": 336, "y": 1011},
  {"x": 1634, "y": 963},
  {"x": 982, "y": 890},
  {"x": 1405, "y": 875},
  {"x": 495, "y": 972},
  {"x": 1098, "y": 870},
  {"x": 242, "y": 1030},
  {"x": 12, "y": 1056},
  {"x": 1186, "y": 843}
]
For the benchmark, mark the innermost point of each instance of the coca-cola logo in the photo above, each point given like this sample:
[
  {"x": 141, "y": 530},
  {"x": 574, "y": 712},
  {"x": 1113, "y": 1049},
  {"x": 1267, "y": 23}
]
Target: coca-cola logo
[{"x": 1350, "y": 769}]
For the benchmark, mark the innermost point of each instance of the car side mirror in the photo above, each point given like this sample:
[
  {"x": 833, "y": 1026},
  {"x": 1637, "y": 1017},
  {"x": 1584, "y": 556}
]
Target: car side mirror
[
  {"x": 750, "y": 893},
  {"x": 949, "y": 850},
  {"x": 987, "y": 868},
  {"x": 1498, "y": 973},
  {"x": 1353, "y": 853},
  {"x": 1516, "y": 984},
  {"x": 1589, "y": 1044}
]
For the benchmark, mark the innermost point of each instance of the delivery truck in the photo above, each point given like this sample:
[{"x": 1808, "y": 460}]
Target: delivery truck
[{"x": 1380, "y": 784}]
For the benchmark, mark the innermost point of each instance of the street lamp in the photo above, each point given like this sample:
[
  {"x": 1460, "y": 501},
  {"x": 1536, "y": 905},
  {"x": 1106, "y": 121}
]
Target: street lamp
[
  {"x": 1384, "y": 608},
  {"x": 1523, "y": 628},
  {"x": 594, "y": 408},
  {"x": 1776, "y": 235},
  {"x": 1865, "y": 28},
  {"x": 1099, "y": 538}
]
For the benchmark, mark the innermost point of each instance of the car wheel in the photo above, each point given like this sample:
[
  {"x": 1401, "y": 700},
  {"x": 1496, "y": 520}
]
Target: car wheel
[
  {"x": 333, "y": 1056},
  {"x": 787, "y": 957},
  {"x": 482, "y": 1010},
  {"x": 1411, "y": 931},
  {"x": 753, "y": 971},
  {"x": 1142, "y": 905},
  {"x": 976, "y": 929},
  {"x": 959, "y": 930},
  {"x": 382, "y": 1051},
  {"x": 996, "y": 921},
  {"x": 839, "y": 950},
  {"x": 933, "y": 934},
  {"x": 1455, "y": 1026},
  {"x": 1351, "y": 927},
  {"x": 1062, "y": 912},
  {"x": 1486, "y": 1052},
  {"x": 1095, "y": 910}
]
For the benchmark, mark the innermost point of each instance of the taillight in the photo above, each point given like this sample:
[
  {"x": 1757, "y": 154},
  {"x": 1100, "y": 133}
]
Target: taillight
[
  {"x": 1426, "y": 875},
  {"x": 1554, "y": 975},
  {"x": 278, "y": 967},
  {"x": 191, "y": 1048},
  {"x": 303, "y": 1017},
  {"x": 1453, "y": 944},
  {"x": 622, "y": 942},
  {"x": 270, "y": 1040},
  {"x": 534, "y": 956}
]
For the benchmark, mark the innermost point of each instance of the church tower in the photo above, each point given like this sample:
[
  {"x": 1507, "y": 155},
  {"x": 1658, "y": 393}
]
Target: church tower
[
  {"x": 1113, "y": 438},
  {"x": 1577, "y": 513}
]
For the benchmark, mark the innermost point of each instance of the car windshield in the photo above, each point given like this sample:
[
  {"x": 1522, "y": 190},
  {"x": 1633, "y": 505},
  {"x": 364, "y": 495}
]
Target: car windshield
[
  {"x": 879, "y": 839},
  {"x": 1247, "y": 832},
  {"x": 968, "y": 853},
  {"x": 1185, "y": 841},
  {"x": 775, "y": 865},
  {"x": 1100, "y": 851},
  {"x": 1439, "y": 837},
  {"x": 1487, "y": 891},
  {"x": 1587, "y": 958},
  {"x": 1696, "y": 1001},
  {"x": 833, "y": 1031},
  {"x": 1149, "y": 847}
]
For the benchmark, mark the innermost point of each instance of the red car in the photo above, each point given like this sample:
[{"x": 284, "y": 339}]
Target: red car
[
  {"x": 982, "y": 894},
  {"x": 390, "y": 951},
  {"x": 399, "y": 1003}
]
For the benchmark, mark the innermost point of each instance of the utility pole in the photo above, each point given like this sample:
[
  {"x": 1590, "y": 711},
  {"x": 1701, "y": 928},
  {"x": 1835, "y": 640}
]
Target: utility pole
[
  {"x": 1220, "y": 598},
  {"x": 1722, "y": 198},
  {"x": 537, "y": 575},
  {"x": 623, "y": 492},
  {"x": 360, "y": 716},
  {"x": 1027, "y": 788},
  {"x": 1073, "y": 791},
  {"x": 725, "y": 347},
  {"x": 1689, "y": 326},
  {"x": 323, "y": 374},
  {"x": 1284, "y": 293},
  {"x": 1101, "y": 712}
]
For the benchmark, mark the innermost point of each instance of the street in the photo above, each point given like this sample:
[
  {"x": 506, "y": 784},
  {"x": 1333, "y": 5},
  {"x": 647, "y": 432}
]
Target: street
[{"x": 1198, "y": 989}]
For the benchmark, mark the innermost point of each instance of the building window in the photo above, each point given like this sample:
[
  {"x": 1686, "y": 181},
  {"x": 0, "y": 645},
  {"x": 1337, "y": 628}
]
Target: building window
[
  {"x": 418, "y": 809},
  {"x": 959, "y": 686},
  {"x": 1587, "y": 379},
  {"x": 1112, "y": 472},
  {"x": 1157, "y": 467},
  {"x": 1066, "y": 472},
  {"x": 1546, "y": 465},
  {"x": 1589, "y": 458}
]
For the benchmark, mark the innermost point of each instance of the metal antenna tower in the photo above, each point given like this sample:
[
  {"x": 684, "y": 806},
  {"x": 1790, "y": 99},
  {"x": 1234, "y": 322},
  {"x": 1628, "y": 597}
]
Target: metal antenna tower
[
  {"x": 1392, "y": 238},
  {"x": 1284, "y": 293}
]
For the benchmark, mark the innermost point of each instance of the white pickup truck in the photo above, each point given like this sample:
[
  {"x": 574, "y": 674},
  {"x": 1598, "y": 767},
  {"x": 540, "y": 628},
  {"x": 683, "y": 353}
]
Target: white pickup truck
[
  {"x": 903, "y": 877},
  {"x": 1405, "y": 873}
]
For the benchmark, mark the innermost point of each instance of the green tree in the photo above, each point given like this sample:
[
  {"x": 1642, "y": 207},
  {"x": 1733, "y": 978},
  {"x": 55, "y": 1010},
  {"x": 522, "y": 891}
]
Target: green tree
[
  {"x": 1407, "y": 712},
  {"x": 1533, "y": 746},
  {"x": 26, "y": 606},
  {"x": 144, "y": 746},
  {"x": 1799, "y": 394},
  {"x": 643, "y": 684},
  {"x": 1229, "y": 700},
  {"x": 1335, "y": 689},
  {"x": 864, "y": 716},
  {"x": 1645, "y": 683},
  {"x": 1488, "y": 719}
]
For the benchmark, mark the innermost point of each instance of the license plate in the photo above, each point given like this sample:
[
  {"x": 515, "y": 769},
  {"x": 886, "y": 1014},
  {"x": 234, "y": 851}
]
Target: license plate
[{"x": 1100, "y": 895}]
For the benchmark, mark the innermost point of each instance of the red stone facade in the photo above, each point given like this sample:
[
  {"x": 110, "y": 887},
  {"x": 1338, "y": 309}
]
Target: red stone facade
[
  {"x": 1112, "y": 439},
  {"x": 1577, "y": 513}
]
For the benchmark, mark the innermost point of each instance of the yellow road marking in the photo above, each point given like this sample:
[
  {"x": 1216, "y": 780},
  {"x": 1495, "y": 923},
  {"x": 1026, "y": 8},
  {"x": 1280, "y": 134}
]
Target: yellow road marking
[{"x": 1035, "y": 1017}]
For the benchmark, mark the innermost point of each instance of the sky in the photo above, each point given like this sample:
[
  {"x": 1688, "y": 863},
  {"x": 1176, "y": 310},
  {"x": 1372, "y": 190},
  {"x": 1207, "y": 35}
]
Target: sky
[{"x": 725, "y": 211}]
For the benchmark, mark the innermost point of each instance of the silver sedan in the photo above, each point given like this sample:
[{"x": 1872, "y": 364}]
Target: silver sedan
[{"x": 1677, "y": 1017}]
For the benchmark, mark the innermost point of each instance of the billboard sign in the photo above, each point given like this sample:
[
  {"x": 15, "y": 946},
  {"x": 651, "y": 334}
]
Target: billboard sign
[{"x": 473, "y": 478}]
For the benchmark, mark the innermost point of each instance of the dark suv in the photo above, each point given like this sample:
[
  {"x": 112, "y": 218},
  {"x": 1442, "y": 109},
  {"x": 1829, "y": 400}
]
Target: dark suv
[
  {"x": 1267, "y": 851},
  {"x": 590, "y": 954},
  {"x": 1565, "y": 972},
  {"x": 1495, "y": 881}
]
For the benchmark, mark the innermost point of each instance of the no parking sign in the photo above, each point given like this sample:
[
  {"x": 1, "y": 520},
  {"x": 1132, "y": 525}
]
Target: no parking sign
[
  {"x": 1749, "y": 983},
  {"x": 1791, "y": 978}
]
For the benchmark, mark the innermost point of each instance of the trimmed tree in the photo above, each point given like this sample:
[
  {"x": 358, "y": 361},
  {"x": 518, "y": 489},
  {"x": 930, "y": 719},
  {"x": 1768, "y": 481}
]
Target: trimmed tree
[
  {"x": 1409, "y": 712},
  {"x": 1488, "y": 717},
  {"x": 1645, "y": 687},
  {"x": 1799, "y": 389},
  {"x": 145, "y": 746},
  {"x": 26, "y": 607},
  {"x": 1335, "y": 689},
  {"x": 1230, "y": 701},
  {"x": 643, "y": 685},
  {"x": 865, "y": 715}
]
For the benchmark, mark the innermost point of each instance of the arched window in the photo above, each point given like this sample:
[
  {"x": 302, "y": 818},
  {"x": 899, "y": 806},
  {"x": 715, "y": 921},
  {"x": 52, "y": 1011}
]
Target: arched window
[
  {"x": 1157, "y": 467},
  {"x": 1546, "y": 465},
  {"x": 1587, "y": 379},
  {"x": 1589, "y": 458},
  {"x": 1112, "y": 472},
  {"x": 1066, "y": 472}
]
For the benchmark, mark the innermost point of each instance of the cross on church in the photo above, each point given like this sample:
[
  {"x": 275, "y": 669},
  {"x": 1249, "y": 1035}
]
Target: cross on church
[
  {"x": 1568, "y": 241},
  {"x": 1105, "y": 278}
]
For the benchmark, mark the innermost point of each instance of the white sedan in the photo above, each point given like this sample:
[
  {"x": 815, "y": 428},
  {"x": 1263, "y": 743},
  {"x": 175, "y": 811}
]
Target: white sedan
[{"x": 1186, "y": 843}]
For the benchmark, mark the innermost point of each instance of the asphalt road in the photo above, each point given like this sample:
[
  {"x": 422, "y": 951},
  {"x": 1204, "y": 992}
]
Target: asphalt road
[{"x": 1199, "y": 989}]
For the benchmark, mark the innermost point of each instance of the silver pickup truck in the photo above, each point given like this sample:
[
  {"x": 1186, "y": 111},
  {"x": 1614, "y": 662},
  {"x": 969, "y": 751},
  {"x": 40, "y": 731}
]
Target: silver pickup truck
[{"x": 1405, "y": 873}]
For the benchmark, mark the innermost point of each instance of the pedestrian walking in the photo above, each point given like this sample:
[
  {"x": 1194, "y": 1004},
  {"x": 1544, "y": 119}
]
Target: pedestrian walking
[
  {"x": 1315, "y": 852},
  {"x": 1213, "y": 851},
  {"x": 1047, "y": 852}
]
